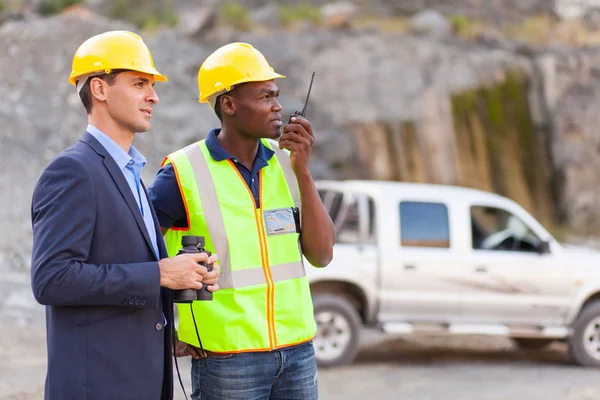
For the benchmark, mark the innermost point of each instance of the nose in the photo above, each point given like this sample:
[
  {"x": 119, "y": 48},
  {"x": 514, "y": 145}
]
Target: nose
[
  {"x": 277, "y": 106},
  {"x": 152, "y": 96}
]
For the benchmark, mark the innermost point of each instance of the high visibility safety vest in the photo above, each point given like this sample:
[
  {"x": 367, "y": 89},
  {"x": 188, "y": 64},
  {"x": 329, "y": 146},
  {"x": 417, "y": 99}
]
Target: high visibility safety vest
[{"x": 264, "y": 300}]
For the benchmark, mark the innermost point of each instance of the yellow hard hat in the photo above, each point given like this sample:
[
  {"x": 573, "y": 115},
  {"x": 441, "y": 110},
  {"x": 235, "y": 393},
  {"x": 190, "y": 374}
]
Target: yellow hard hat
[
  {"x": 231, "y": 65},
  {"x": 110, "y": 51}
]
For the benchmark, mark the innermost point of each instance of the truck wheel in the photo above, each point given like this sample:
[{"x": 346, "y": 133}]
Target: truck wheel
[
  {"x": 532, "y": 343},
  {"x": 338, "y": 330},
  {"x": 584, "y": 342}
]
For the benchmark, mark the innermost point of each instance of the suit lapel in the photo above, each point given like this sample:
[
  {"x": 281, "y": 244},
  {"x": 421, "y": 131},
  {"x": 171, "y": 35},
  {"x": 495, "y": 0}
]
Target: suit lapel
[
  {"x": 162, "y": 249},
  {"x": 121, "y": 183}
]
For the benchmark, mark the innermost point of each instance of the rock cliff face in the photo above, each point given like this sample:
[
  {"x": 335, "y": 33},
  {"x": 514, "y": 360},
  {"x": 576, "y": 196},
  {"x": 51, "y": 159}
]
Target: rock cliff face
[
  {"x": 384, "y": 107},
  {"x": 490, "y": 10}
]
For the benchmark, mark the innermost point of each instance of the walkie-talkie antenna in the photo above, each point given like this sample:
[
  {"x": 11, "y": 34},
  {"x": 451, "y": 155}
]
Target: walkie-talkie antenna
[{"x": 308, "y": 95}]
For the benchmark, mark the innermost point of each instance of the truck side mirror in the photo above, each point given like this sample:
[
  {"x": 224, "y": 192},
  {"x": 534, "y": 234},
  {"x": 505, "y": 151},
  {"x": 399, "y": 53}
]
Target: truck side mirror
[{"x": 544, "y": 247}]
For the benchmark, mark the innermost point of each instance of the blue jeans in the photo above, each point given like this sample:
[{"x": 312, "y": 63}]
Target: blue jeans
[{"x": 285, "y": 374}]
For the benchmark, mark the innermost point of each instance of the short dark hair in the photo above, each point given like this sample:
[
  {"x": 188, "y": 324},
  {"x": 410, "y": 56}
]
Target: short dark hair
[{"x": 86, "y": 96}]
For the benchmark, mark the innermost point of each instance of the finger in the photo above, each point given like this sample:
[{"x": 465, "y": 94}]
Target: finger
[
  {"x": 212, "y": 275},
  {"x": 289, "y": 128},
  {"x": 201, "y": 269},
  {"x": 290, "y": 145},
  {"x": 191, "y": 350},
  {"x": 299, "y": 130},
  {"x": 212, "y": 259},
  {"x": 217, "y": 267},
  {"x": 294, "y": 129},
  {"x": 195, "y": 285},
  {"x": 213, "y": 288},
  {"x": 302, "y": 139},
  {"x": 295, "y": 137},
  {"x": 209, "y": 280},
  {"x": 198, "y": 277},
  {"x": 198, "y": 257},
  {"x": 304, "y": 123}
]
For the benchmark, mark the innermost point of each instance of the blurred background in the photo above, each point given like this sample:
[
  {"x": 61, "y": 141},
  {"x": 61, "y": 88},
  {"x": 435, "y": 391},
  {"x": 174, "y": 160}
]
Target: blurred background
[{"x": 500, "y": 95}]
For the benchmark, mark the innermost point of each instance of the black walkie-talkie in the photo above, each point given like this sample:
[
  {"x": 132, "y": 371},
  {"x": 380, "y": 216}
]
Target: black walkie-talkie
[{"x": 303, "y": 112}]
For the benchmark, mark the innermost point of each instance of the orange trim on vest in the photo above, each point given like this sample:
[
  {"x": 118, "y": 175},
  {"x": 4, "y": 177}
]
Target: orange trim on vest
[
  {"x": 264, "y": 349},
  {"x": 183, "y": 197},
  {"x": 267, "y": 269},
  {"x": 264, "y": 255}
]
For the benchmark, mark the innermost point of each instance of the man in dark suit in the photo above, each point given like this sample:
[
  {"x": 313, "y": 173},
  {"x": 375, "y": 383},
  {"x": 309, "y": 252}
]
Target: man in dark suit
[{"x": 99, "y": 263}]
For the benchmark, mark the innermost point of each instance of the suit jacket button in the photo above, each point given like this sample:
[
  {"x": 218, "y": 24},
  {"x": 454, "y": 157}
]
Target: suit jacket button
[
  {"x": 143, "y": 302},
  {"x": 131, "y": 302},
  {"x": 158, "y": 326},
  {"x": 137, "y": 302}
]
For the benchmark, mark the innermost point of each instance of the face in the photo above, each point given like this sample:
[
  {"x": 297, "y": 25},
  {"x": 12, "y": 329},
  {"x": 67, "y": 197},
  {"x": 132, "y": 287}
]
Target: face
[
  {"x": 129, "y": 100},
  {"x": 257, "y": 113}
]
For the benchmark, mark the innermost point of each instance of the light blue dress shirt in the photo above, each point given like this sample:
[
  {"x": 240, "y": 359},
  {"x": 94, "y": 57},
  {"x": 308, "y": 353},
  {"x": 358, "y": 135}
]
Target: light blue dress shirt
[{"x": 131, "y": 165}]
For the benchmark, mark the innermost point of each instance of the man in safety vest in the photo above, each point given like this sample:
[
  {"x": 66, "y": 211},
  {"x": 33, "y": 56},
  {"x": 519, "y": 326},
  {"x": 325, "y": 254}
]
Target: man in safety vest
[{"x": 254, "y": 201}]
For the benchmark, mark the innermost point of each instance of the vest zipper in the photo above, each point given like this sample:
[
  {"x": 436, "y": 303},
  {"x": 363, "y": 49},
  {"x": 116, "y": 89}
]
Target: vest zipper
[{"x": 270, "y": 285}]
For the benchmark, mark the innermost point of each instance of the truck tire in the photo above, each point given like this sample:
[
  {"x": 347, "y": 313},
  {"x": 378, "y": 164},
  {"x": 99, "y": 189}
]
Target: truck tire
[
  {"x": 338, "y": 330},
  {"x": 584, "y": 342},
  {"x": 532, "y": 343}
]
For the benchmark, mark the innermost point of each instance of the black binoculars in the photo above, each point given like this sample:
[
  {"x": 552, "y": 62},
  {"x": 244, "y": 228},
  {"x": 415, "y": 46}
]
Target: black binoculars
[{"x": 191, "y": 245}]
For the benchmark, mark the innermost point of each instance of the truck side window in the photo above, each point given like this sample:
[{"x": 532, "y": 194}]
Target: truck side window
[
  {"x": 496, "y": 229},
  {"x": 348, "y": 224},
  {"x": 332, "y": 201},
  {"x": 424, "y": 225},
  {"x": 353, "y": 216}
]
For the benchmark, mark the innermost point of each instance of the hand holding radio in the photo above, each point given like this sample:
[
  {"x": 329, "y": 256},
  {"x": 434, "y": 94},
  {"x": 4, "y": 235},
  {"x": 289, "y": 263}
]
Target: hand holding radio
[{"x": 298, "y": 137}]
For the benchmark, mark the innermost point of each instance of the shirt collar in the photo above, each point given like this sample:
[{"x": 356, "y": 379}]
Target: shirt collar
[
  {"x": 121, "y": 157},
  {"x": 218, "y": 152}
]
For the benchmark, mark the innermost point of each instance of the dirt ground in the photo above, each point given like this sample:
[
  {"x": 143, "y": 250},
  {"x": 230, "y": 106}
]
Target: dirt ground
[{"x": 465, "y": 368}]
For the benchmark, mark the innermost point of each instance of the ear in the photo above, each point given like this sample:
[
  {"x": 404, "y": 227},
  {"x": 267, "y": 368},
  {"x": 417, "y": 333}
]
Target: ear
[
  {"x": 98, "y": 89},
  {"x": 227, "y": 105}
]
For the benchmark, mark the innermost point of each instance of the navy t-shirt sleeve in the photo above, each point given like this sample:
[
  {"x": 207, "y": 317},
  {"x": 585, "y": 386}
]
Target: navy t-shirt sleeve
[{"x": 166, "y": 199}]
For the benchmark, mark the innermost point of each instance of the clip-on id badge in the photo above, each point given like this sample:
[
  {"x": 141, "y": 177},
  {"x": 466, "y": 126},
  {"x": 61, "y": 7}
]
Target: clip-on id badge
[{"x": 280, "y": 221}]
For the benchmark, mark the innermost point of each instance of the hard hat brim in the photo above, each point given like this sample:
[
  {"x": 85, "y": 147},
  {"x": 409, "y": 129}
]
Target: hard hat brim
[
  {"x": 273, "y": 75},
  {"x": 158, "y": 77}
]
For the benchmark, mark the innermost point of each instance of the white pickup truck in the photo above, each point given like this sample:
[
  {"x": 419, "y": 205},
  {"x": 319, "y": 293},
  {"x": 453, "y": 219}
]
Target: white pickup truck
[{"x": 440, "y": 260}]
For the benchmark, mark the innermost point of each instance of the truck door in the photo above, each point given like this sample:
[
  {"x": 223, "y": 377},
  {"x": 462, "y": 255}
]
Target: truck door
[
  {"x": 512, "y": 281},
  {"x": 419, "y": 266}
]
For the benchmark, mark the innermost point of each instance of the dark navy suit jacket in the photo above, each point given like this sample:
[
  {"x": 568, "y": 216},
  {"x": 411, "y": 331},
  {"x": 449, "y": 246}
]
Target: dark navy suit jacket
[{"x": 94, "y": 268}]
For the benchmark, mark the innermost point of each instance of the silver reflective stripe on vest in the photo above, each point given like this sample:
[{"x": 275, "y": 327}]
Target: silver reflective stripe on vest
[
  {"x": 283, "y": 272},
  {"x": 256, "y": 276},
  {"x": 284, "y": 161},
  {"x": 212, "y": 211}
]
